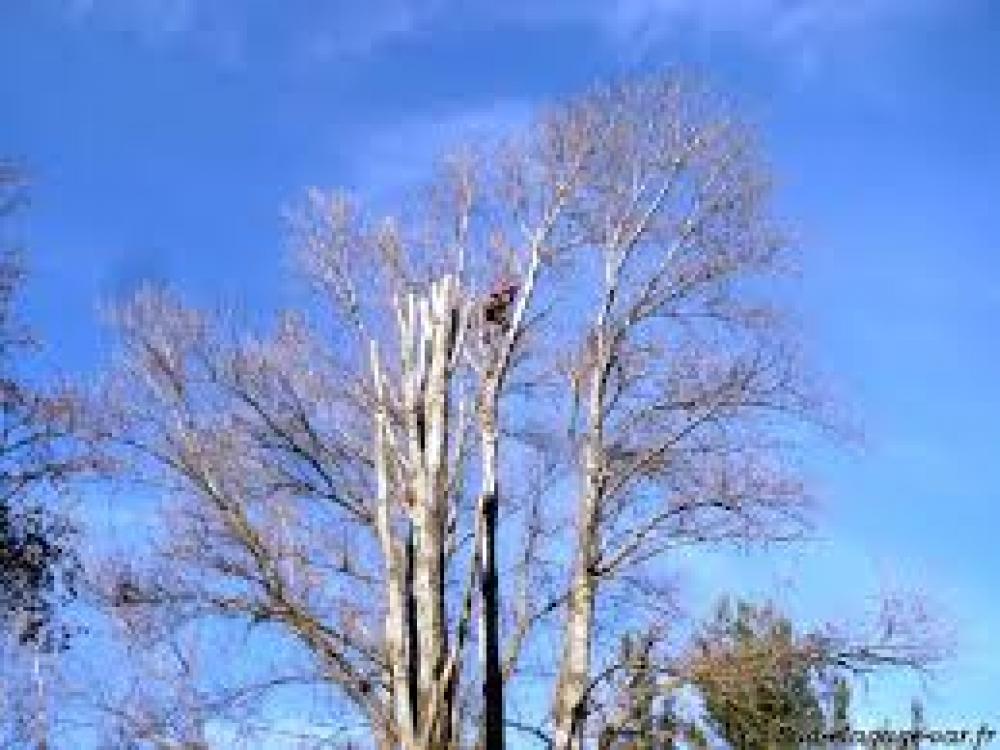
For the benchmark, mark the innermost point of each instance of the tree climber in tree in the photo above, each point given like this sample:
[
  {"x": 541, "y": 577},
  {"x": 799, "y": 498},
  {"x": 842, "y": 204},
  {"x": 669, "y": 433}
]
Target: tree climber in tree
[{"x": 496, "y": 308}]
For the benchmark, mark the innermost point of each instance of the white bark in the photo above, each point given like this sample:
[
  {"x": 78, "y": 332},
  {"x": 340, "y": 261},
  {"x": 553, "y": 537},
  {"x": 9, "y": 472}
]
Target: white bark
[
  {"x": 428, "y": 328},
  {"x": 395, "y": 623},
  {"x": 575, "y": 673},
  {"x": 630, "y": 175}
]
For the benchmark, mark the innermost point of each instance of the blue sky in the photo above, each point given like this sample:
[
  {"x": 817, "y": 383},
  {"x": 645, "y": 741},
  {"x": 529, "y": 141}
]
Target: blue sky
[{"x": 165, "y": 136}]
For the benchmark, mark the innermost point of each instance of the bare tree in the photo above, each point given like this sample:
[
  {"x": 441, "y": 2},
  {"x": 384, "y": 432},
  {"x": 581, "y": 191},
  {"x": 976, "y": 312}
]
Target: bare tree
[
  {"x": 181, "y": 682},
  {"x": 39, "y": 454},
  {"x": 685, "y": 375},
  {"x": 567, "y": 358}
]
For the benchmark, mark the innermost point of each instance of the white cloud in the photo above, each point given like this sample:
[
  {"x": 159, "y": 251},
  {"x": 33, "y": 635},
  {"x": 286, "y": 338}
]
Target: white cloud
[
  {"x": 801, "y": 31},
  {"x": 801, "y": 38},
  {"x": 800, "y": 34},
  {"x": 769, "y": 19}
]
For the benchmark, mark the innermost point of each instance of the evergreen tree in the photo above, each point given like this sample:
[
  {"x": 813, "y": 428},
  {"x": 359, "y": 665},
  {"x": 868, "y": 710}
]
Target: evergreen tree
[
  {"x": 763, "y": 686},
  {"x": 760, "y": 682},
  {"x": 840, "y": 711},
  {"x": 646, "y": 717}
]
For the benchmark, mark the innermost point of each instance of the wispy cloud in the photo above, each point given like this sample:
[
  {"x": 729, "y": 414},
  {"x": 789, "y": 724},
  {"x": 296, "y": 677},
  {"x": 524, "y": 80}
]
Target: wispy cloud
[
  {"x": 800, "y": 32},
  {"x": 216, "y": 28},
  {"x": 355, "y": 29}
]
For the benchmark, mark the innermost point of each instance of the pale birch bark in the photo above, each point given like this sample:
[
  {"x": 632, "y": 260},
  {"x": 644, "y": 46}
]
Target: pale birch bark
[
  {"x": 349, "y": 505},
  {"x": 395, "y": 623},
  {"x": 417, "y": 641},
  {"x": 667, "y": 175},
  {"x": 575, "y": 671}
]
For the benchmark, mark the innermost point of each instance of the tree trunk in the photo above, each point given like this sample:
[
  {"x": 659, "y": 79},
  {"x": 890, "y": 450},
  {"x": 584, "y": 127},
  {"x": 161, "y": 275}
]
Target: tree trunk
[
  {"x": 396, "y": 631},
  {"x": 416, "y": 619},
  {"x": 575, "y": 672},
  {"x": 429, "y": 390},
  {"x": 571, "y": 693},
  {"x": 493, "y": 698}
]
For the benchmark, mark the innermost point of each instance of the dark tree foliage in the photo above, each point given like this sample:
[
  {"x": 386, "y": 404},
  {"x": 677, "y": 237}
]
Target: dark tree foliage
[
  {"x": 761, "y": 689},
  {"x": 38, "y": 571},
  {"x": 38, "y": 564}
]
